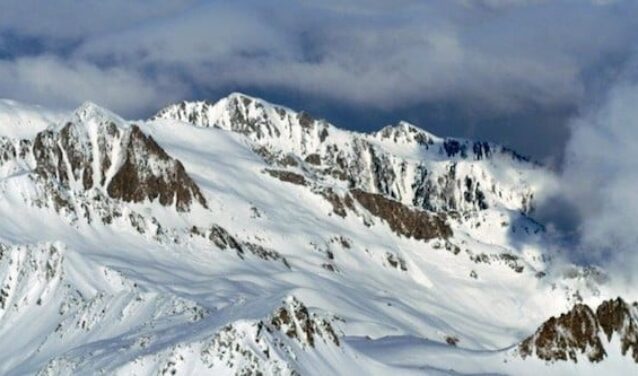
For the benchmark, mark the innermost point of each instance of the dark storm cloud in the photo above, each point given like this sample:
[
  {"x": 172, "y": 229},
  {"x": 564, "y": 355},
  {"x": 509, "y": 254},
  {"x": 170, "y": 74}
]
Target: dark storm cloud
[{"x": 499, "y": 69}]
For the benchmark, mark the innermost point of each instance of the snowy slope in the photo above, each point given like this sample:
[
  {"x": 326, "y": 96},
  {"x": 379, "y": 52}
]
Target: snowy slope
[
  {"x": 21, "y": 120},
  {"x": 257, "y": 239}
]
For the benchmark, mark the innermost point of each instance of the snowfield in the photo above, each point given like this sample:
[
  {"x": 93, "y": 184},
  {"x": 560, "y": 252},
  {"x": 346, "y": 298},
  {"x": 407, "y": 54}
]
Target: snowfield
[{"x": 311, "y": 251}]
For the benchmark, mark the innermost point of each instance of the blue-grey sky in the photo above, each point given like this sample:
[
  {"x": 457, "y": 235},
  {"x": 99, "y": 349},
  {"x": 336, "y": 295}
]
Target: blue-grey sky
[{"x": 512, "y": 71}]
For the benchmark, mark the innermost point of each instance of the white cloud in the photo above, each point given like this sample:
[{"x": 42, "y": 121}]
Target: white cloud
[
  {"x": 51, "y": 81},
  {"x": 365, "y": 52},
  {"x": 500, "y": 59},
  {"x": 601, "y": 176}
]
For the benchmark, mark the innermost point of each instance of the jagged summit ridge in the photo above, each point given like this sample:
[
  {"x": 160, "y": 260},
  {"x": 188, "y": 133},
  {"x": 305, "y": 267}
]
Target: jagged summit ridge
[
  {"x": 404, "y": 132},
  {"x": 97, "y": 152},
  {"x": 260, "y": 119},
  {"x": 91, "y": 111},
  {"x": 93, "y": 151},
  {"x": 402, "y": 161}
]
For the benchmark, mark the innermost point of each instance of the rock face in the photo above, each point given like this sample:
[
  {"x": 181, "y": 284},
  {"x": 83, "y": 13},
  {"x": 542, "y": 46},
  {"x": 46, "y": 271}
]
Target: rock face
[
  {"x": 619, "y": 318},
  {"x": 223, "y": 240},
  {"x": 411, "y": 223},
  {"x": 271, "y": 345},
  {"x": 580, "y": 332},
  {"x": 93, "y": 152},
  {"x": 294, "y": 319},
  {"x": 149, "y": 173}
]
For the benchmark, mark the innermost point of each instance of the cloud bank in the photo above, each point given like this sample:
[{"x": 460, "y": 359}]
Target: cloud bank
[
  {"x": 497, "y": 55},
  {"x": 601, "y": 180}
]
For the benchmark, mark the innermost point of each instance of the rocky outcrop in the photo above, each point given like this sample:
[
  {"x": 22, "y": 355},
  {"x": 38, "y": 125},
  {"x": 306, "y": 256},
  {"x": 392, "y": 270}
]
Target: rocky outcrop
[
  {"x": 412, "y": 223},
  {"x": 583, "y": 332},
  {"x": 149, "y": 173},
  {"x": 287, "y": 176},
  {"x": 297, "y": 323},
  {"x": 616, "y": 317},
  {"x": 272, "y": 345},
  {"x": 223, "y": 240},
  {"x": 14, "y": 155},
  {"x": 96, "y": 153},
  {"x": 28, "y": 275}
]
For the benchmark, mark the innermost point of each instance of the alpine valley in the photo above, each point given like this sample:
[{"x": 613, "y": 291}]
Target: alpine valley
[{"x": 243, "y": 238}]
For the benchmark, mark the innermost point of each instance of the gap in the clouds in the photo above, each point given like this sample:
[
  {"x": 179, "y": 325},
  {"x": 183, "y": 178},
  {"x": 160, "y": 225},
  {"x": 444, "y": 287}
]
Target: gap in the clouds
[{"x": 16, "y": 45}]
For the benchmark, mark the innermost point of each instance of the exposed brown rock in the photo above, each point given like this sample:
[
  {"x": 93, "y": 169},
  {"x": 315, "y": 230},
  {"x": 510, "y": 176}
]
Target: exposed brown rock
[
  {"x": 305, "y": 120},
  {"x": 417, "y": 224},
  {"x": 265, "y": 154},
  {"x": 287, "y": 176},
  {"x": 575, "y": 332},
  {"x": 14, "y": 150},
  {"x": 339, "y": 204},
  {"x": 137, "y": 181},
  {"x": 615, "y": 316},
  {"x": 329, "y": 267},
  {"x": 396, "y": 262},
  {"x": 452, "y": 340},
  {"x": 288, "y": 160},
  {"x": 296, "y": 322},
  {"x": 224, "y": 240},
  {"x": 323, "y": 134},
  {"x": 146, "y": 171},
  {"x": 314, "y": 159},
  {"x": 580, "y": 331}
]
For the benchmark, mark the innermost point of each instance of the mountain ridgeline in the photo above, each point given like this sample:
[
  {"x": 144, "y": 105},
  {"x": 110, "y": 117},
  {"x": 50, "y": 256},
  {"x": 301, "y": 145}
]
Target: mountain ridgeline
[{"x": 418, "y": 168}]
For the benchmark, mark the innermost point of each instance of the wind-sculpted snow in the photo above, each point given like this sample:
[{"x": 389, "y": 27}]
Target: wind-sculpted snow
[
  {"x": 51, "y": 309},
  {"x": 273, "y": 345},
  {"x": 245, "y": 238}
]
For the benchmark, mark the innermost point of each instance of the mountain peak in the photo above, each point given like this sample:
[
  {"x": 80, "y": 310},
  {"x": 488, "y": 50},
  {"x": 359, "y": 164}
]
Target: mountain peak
[
  {"x": 289, "y": 246},
  {"x": 242, "y": 96},
  {"x": 584, "y": 331},
  {"x": 91, "y": 111},
  {"x": 406, "y": 132},
  {"x": 96, "y": 149}
]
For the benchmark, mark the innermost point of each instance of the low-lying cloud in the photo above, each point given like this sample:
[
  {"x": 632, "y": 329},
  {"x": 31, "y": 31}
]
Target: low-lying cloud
[
  {"x": 60, "y": 83},
  {"x": 601, "y": 180}
]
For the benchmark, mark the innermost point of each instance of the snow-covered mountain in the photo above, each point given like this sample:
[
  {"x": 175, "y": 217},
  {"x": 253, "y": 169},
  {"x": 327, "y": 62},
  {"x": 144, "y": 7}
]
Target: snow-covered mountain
[{"x": 242, "y": 237}]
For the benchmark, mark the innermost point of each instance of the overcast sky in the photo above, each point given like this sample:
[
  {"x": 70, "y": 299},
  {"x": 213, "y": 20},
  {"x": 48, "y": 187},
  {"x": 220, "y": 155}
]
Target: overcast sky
[
  {"x": 555, "y": 80},
  {"x": 511, "y": 71}
]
